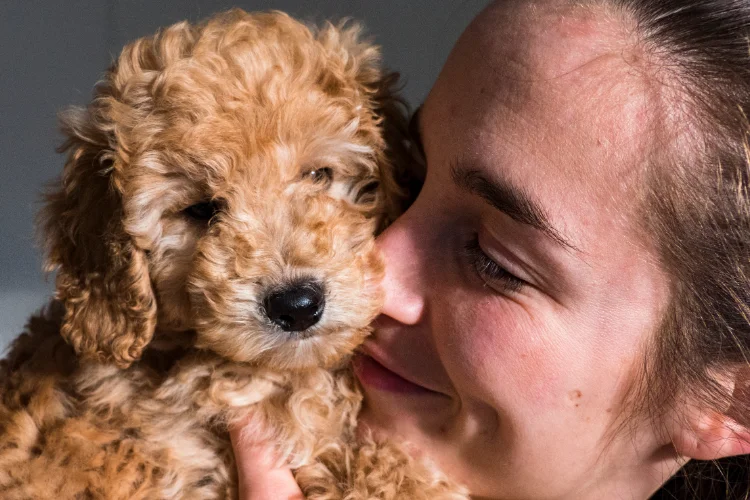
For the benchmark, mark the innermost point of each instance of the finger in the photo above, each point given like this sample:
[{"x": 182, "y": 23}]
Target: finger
[{"x": 259, "y": 476}]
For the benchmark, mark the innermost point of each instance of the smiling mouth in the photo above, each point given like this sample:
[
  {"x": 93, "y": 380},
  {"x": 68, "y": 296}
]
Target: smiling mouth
[{"x": 375, "y": 375}]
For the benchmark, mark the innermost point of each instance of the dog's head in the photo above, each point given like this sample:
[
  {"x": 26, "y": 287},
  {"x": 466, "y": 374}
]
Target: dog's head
[{"x": 228, "y": 179}]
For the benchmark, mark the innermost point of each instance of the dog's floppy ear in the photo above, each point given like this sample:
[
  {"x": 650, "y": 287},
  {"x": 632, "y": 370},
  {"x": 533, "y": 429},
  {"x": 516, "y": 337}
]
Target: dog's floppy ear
[
  {"x": 403, "y": 178},
  {"x": 102, "y": 275},
  {"x": 102, "y": 278},
  {"x": 400, "y": 176}
]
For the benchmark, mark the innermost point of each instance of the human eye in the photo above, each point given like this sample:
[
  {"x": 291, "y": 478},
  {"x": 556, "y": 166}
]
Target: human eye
[{"x": 489, "y": 271}]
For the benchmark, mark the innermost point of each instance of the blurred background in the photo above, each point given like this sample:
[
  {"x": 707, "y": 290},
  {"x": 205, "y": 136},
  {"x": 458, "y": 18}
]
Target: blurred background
[{"x": 52, "y": 53}]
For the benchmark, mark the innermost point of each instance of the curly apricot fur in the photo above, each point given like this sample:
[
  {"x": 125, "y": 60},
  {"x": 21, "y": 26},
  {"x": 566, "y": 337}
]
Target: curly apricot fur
[{"x": 158, "y": 338}]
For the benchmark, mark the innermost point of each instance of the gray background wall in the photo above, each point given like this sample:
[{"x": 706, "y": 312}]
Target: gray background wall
[{"x": 53, "y": 51}]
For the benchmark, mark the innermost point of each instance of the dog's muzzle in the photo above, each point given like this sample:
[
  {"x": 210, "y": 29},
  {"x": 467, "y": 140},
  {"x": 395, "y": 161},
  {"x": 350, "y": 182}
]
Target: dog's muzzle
[{"x": 297, "y": 307}]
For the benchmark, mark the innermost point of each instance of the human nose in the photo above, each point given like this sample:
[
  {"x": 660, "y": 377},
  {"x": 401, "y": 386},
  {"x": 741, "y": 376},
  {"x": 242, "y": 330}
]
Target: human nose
[{"x": 403, "y": 283}]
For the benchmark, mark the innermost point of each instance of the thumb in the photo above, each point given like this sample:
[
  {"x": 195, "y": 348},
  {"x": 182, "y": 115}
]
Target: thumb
[{"x": 260, "y": 476}]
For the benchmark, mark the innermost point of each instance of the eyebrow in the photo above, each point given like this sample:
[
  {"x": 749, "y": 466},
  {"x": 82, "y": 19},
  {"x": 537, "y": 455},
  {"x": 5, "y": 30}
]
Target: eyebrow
[{"x": 507, "y": 198}]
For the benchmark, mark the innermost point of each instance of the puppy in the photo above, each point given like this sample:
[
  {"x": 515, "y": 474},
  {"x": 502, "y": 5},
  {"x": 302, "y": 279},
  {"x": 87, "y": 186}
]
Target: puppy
[{"x": 213, "y": 240}]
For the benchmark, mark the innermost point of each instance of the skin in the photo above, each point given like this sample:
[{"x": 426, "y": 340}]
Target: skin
[
  {"x": 519, "y": 390},
  {"x": 529, "y": 383}
]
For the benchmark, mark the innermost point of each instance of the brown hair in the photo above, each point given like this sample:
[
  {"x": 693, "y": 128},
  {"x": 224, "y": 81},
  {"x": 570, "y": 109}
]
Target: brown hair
[{"x": 699, "y": 211}]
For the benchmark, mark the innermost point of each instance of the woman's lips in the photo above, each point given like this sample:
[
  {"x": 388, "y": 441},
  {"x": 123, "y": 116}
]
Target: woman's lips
[{"x": 372, "y": 373}]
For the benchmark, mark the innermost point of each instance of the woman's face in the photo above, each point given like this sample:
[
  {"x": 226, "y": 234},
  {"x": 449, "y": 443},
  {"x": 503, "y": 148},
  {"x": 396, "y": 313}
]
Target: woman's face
[{"x": 520, "y": 292}]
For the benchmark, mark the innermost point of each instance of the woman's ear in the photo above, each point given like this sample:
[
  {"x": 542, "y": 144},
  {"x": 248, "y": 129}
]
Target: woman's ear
[{"x": 707, "y": 434}]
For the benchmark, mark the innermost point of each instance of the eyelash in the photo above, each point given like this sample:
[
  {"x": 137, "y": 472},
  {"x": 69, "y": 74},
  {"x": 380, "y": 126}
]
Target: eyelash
[{"x": 490, "y": 271}]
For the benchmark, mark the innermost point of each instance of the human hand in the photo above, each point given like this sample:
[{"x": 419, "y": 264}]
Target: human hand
[{"x": 259, "y": 475}]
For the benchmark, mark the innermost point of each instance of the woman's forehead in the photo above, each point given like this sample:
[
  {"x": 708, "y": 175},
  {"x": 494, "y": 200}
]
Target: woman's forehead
[
  {"x": 563, "y": 75},
  {"x": 538, "y": 41},
  {"x": 576, "y": 132}
]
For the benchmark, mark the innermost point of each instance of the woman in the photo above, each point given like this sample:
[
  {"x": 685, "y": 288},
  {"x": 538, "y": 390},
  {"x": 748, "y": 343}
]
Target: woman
[{"x": 567, "y": 300}]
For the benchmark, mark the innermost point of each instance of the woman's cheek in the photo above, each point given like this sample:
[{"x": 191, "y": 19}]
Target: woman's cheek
[{"x": 503, "y": 354}]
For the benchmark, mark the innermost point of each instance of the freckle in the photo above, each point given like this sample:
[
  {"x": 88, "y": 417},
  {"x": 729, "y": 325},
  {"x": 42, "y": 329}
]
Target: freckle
[
  {"x": 575, "y": 394},
  {"x": 577, "y": 405}
]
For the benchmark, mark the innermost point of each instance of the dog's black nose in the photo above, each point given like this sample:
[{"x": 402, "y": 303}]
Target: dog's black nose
[{"x": 296, "y": 308}]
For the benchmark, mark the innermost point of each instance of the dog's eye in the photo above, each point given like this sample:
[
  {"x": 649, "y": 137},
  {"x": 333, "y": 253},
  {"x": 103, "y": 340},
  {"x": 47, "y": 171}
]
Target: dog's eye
[
  {"x": 202, "y": 211},
  {"x": 367, "y": 193},
  {"x": 322, "y": 175}
]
